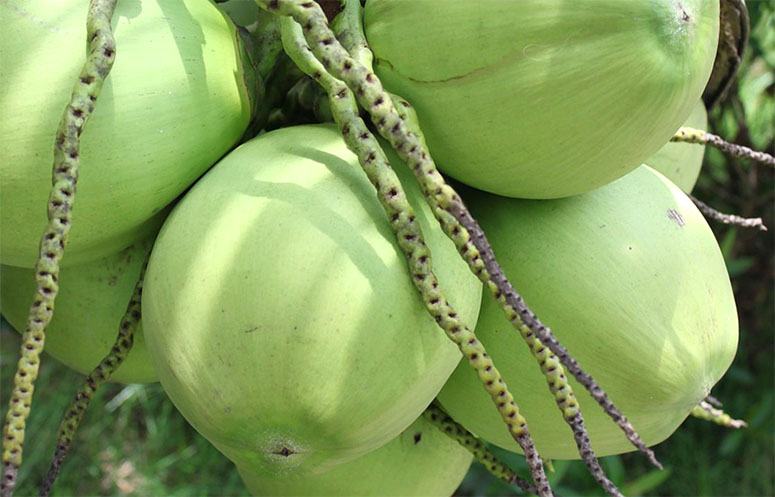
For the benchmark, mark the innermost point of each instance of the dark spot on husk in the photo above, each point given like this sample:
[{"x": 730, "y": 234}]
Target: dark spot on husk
[
  {"x": 683, "y": 15},
  {"x": 283, "y": 451}
]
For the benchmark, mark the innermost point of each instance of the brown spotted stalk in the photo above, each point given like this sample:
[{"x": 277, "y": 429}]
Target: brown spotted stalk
[
  {"x": 552, "y": 370},
  {"x": 410, "y": 240},
  {"x": 102, "y": 373},
  {"x": 486, "y": 458},
  {"x": 558, "y": 384},
  {"x": 700, "y": 137},
  {"x": 402, "y": 129},
  {"x": 102, "y": 52},
  {"x": 459, "y": 225}
]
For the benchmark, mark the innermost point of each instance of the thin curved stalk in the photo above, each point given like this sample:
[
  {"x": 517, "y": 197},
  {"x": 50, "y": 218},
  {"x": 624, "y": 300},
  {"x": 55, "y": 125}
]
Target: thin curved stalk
[
  {"x": 709, "y": 413},
  {"x": 697, "y": 136},
  {"x": 732, "y": 219},
  {"x": 102, "y": 373},
  {"x": 436, "y": 415}
]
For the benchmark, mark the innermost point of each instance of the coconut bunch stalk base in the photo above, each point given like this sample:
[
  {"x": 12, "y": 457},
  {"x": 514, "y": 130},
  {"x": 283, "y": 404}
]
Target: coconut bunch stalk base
[
  {"x": 102, "y": 53},
  {"x": 734, "y": 30}
]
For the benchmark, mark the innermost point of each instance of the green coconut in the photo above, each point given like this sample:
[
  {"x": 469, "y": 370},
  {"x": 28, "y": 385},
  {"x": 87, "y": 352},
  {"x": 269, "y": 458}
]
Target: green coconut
[
  {"x": 632, "y": 281},
  {"x": 92, "y": 299},
  {"x": 544, "y": 98},
  {"x": 241, "y": 12},
  {"x": 681, "y": 162},
  {"x": 280, "y": 313},
  {"x": 421, "y": 462},
  {"x": 174, "y": 102}
]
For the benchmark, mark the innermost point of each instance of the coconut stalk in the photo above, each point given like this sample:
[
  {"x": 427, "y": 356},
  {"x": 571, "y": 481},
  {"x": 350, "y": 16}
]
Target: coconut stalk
[
  {"x": 705, "y": 410},
  {"x": 456, "y": 221},
  {"x": 102, "y": 373},
  {"x": 102, "y": 54},
  {"x": 410, "y": 239},
  {"x": 698, "y": 136},
  {"x": 734, "y": 29},
  {"x": 436, "y": 415},
  {"x": 731, "y": 219}
]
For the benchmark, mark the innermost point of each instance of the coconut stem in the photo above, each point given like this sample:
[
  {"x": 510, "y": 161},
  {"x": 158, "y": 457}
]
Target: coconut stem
[
  {"x": 102, "y": 373},
  {"x": 700, "y": 137},
  {"x": 348, "y": 27},
  {"x": 490, "y": 461},
  {"x": 709, "y": 413},
  {"x": 457, "y": 223},
  {"x": 456, "y": 220},
  {"x": 552, "y": 370},
  {"x": 102, "y": 52},
  {"x": 410, "y": 239},
  {"x": 711, "y": 213}
]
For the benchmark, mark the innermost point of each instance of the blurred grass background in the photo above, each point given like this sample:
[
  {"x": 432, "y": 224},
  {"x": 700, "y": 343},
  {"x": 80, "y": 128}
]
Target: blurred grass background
[{"x": 133, "y": 441}]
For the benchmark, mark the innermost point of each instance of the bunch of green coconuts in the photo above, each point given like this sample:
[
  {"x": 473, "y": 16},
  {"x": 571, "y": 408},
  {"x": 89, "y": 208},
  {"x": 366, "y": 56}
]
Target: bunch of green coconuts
[{"x": 278, "y": 312}]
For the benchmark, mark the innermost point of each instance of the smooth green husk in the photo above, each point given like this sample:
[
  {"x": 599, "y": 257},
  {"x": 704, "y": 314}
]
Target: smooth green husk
[
  {"x": 632, "y": 281},
  {"x": 681, "y": 162},
  {"x": 174, "y": 102},
  {"x": 242, "y": 12},
  {"x": 279, "y": 312},
  {"x": 92, "y": 299},
  {"x": 421, "y": 462},
  {"x": 544, "y": 99}
]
